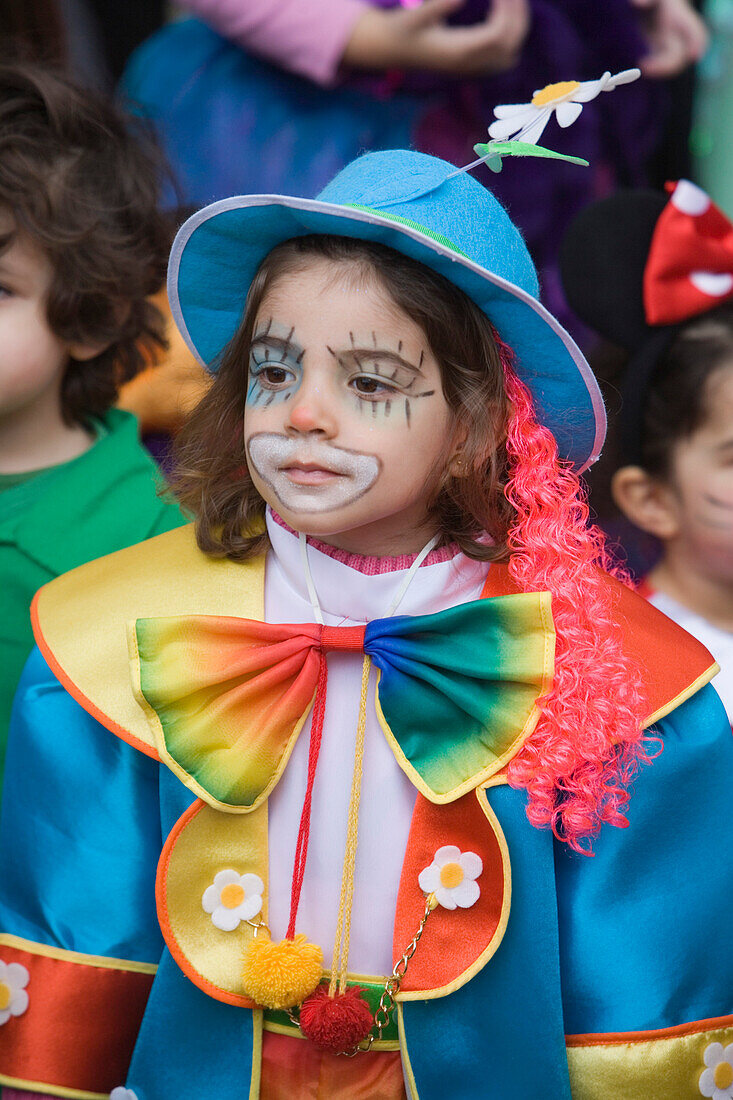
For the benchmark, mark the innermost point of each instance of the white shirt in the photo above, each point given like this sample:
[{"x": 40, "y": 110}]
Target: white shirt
[
  {"x": 348, "y": 597},
  {"x": 719, "y": 642}
]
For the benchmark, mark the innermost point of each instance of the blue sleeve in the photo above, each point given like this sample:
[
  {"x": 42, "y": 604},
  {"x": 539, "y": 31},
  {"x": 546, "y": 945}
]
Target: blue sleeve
[
  {"x": 645, "y": 924},
  {"x": 80, "y": 835}
]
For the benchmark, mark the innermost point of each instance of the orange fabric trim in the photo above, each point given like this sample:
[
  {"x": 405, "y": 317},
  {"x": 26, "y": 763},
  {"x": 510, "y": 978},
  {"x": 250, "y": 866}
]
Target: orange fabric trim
[
  {"x": 77, "y": 694},
  {"x": 80, "y": 1027},
  {"x": 161, "y": 901},
  {"x": 616, "y": 1038},
  {"x": 291, "y": 1067},
  {"x": 670, "y": 660},
  {"x": 499, "y": 582},
  {"x": 453, "y": 939}
]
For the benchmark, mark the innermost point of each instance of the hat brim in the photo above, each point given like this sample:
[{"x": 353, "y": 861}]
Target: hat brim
[{"x": 217, "y": 251}]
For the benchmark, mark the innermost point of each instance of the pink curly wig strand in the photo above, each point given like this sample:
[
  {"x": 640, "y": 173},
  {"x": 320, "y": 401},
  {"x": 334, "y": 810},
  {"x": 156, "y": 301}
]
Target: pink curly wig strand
[{"x": 589, "y": 742}]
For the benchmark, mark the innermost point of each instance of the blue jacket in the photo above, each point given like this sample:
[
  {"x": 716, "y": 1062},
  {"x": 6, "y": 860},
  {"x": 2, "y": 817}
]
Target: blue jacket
[{"x": 613, "y": 977}]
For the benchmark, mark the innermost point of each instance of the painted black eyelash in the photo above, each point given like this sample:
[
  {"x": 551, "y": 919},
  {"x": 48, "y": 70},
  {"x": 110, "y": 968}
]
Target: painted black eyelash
[
  {"x": 387, "y": 390},
  {"x": 257, "y": 366},
  {"x": 257, "y": 380}
]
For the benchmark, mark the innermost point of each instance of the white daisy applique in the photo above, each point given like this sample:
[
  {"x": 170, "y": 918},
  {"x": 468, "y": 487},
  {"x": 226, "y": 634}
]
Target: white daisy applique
[
  {"x": 451, "y": 877},
  {"x": 13, "y": 996},
  {"x": 526, "y": 121},
  {"x": 716, "y": 1081},
  {"x": 121, "y": 1093},
  {"x": 232, "y": 898}
]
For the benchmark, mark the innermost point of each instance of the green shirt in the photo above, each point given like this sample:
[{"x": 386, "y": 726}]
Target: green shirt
[{"x": 67, "y": 515}]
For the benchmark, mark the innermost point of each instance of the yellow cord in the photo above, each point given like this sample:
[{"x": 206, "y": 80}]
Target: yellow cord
[{"x": 343, "y": 927}]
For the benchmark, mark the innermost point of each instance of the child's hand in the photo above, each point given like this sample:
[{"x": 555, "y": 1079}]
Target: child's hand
[
  {"x": 419, "y": 38},
  {"x": 676, "y": 36}
]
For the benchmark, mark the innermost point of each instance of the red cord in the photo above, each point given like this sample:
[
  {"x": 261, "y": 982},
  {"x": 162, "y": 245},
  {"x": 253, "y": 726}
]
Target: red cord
[{"x": 301, "y": 848}]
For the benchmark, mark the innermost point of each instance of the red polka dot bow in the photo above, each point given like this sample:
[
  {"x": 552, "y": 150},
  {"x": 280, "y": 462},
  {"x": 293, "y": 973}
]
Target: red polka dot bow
[{"x": 690, "y": 264}]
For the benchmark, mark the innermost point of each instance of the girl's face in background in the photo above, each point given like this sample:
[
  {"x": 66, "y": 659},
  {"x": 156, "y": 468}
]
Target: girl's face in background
[
  {"x": 346, "y": 428},
  {"x": 701, "y": 483}
]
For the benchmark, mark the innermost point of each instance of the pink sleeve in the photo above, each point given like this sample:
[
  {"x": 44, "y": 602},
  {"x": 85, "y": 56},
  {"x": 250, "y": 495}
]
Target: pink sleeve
[{"x": 307, "y": 37}]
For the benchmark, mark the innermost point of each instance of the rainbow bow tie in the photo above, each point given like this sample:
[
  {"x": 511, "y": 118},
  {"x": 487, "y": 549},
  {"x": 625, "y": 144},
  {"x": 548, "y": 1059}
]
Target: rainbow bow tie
[{"x": 456, "y": 693}]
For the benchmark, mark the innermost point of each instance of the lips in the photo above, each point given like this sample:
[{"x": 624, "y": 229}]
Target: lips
[
  {"x": 306, "y": 474},
  {"x": 295, "y": 464}
]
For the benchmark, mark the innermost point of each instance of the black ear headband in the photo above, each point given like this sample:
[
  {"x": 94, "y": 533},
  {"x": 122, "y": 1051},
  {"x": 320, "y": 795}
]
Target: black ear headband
[
  {"x": 635, "y": 390},
  {"x": 602, "y": 261}
]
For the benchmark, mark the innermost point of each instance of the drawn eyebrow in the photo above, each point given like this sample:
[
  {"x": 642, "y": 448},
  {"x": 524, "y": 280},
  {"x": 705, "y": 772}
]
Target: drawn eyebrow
[
  {"x": 278, "y": 343},
  {"x": 377, "y": 353}
]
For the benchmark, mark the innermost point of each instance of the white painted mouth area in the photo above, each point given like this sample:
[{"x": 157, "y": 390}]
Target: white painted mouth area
[{"x": 311, "y": 476}]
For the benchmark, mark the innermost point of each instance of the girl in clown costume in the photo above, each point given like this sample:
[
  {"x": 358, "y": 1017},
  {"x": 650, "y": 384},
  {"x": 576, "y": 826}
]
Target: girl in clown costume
[{"x": 327, "y": 794}]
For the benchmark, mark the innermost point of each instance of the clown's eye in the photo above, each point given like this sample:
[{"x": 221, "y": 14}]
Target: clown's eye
[
  {"x": 272, "y": 376},
  {"x": 275, "y": 375},
  {"x": 368, "y": 386}
]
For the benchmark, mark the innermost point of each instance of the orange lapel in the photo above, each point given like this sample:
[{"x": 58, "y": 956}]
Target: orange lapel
[{"x": 456, "y": 943}]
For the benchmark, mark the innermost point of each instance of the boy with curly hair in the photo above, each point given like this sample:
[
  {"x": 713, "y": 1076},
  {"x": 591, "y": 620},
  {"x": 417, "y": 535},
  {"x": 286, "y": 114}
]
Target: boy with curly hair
[{"x": 82, "y": 247}]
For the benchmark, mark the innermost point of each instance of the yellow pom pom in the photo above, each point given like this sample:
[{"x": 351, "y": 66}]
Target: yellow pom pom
[{"x": 281, "y": 975}]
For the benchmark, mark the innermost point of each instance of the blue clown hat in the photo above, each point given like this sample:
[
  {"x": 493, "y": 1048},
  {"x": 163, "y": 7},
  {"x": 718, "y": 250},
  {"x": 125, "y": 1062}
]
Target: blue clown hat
[{"x": 426, "y": 209}]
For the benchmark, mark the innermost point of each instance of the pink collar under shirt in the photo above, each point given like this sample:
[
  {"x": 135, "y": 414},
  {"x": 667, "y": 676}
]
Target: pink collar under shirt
[{"x": 351, "y": 590}]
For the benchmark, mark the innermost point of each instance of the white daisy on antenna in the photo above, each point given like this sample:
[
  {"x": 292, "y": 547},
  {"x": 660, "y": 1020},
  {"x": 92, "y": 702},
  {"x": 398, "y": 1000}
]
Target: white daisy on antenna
[{"x": 526, "y": 121}]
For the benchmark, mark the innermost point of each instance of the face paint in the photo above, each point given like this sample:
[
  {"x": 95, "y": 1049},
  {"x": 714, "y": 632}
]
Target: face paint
[
  {"x": 382, "y": 381},
  {"x": 716, "y": 513},
  {"x": 701, "y": 484},
  {"x": 275, "y": 367},
  {"x": 310, "y": 476},
  {"x": 352, "y": 445}
]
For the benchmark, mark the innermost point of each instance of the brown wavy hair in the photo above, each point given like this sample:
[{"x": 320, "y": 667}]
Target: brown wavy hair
[
  {"x": 84, "y": 187},
  {"x": 210, "y": 476}
]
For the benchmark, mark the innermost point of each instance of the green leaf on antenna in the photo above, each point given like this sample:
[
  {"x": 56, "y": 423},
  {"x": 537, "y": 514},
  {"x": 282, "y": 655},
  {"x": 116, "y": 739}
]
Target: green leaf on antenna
[{"x": 495, "y": 150}]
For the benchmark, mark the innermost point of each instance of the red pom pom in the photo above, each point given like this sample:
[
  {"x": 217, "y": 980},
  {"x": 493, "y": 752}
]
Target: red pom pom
[{"x": 336, "y": 1023}]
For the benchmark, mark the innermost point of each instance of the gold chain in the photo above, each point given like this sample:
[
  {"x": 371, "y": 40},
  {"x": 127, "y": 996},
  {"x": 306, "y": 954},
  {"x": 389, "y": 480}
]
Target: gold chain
[{"x": 386, "y": 1005}]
